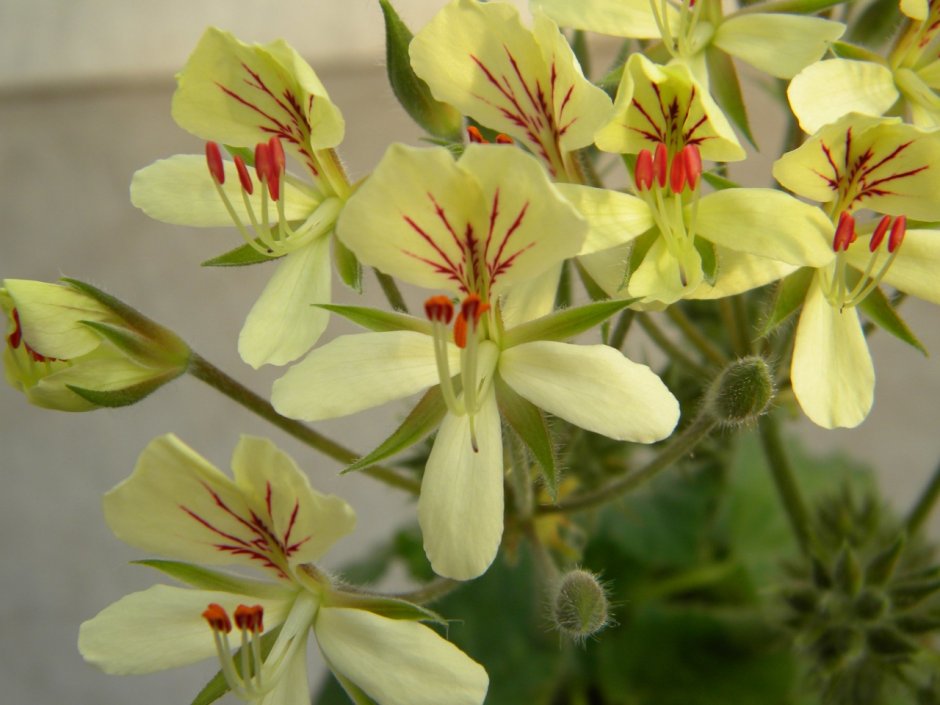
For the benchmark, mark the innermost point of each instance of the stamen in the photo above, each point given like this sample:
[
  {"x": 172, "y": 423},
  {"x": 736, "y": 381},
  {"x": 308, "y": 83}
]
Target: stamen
[
  {"x": 243, "y": 176},
  {"x": 217, "y": 618},
  {"x": 677, "y": 173},
  {"x": 693, "y": 165},
  {"x": 504, "y": 139},
  {"x": 643, "y": 171},
  {"x": 214, "y": 160},
  {"x": 439, "y": 309},
  {"x": 660, "y": 166},
  {"x": 475, "y": 136},
  {"x": 878, "y": 236},
  {"x": 247, "y": 685},
  {"x": 249, "y": 619},
  {"x": 845, "y": 232},
  {"x": 898, "y": 231}
]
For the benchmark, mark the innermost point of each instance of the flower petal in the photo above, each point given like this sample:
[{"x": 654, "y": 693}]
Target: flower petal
[
  {"x": 594, "y": 387},
  {"x": 767, "y": 223},
  {"x": 739, "y": 272},
  {"x": 293, "y": 685},
  {"x": 825, "y": 91},
  {"x": 915, "y": 266},
  {"x": 461, "y": 504},
  {"x": 620, "y": 18},
  {"x": 356, "y": 372},
  {"x": 161, "y": 627},
  {"x": 398, "y": 662},
  {"x": 832, "y": 372},
  {"x": 659, "y": 276},
  {"x": 305, "y": 521},
  {"x": 613, "y": 217},
  {"x": 284, "y": 324},
  {"x": 915, "y": 9},
  {"x": 180, "y": 190},
  {"x": 778, "y": 44}
]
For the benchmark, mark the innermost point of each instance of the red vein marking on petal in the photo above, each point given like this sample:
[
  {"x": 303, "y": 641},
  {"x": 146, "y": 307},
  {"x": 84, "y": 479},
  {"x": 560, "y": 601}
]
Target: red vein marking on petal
[
  {"x": 494, "y": 213},
  {"x": 499, "y": 264},
  {"x": 439, "y": 210},
  {"x": 447, "y": 266}
]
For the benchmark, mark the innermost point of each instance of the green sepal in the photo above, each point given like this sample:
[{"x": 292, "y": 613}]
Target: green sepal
[
  {"x": 726, "y": 90},
  {"x": 379, "y": 321},
  {"x": 528, "y": 421},
  {"x": 910, "y": 594},
  {"x": 880, "y": 312},
  {"x": 240, "y": 257},
  {"x": 217, "y": 686},
  {"x": 384, "y": 606},
  {"x": 354, "y": 692},
  {"x": 439, "y": 119},
  {"x": 246, "y": 153},
  {"x": 579, "y": 46},
  {"x": 808, "y": 7},
  {"x": 882, "y": 566},
  {"x": 135, "y": 346},
  {"x": 709, "y": 257},
  {"x": 130, "y": 315},
  {"x": 791, "y": 291},
  {"x": 347, "y": 264},
  {"x": 116, "y": 398},
  {"x": 566, "y": 324},
  {"x": 844, "y": 50},
  {"x": 847, "y": 572},
  {"x": 719, "y": 182},
  {"x": 206, "y": 579},
  {"x": 876, "y": 24},
  {"x": 424, "y": 418}
]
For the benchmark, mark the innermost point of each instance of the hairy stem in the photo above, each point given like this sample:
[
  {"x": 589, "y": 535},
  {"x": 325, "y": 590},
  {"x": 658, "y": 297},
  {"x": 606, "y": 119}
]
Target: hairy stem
[
  {"x": 787, "y": 488},
  {"x": 671, "y": 349}
]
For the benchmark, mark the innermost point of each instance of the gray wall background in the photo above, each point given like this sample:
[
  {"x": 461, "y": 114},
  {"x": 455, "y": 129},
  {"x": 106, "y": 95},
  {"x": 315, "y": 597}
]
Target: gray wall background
[{"x": 85, "y": 91}]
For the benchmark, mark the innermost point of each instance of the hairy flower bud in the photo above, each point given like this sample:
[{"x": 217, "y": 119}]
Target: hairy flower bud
[
  {"x": 580, "y": 608},
  {"x": 742, "y": 392}
]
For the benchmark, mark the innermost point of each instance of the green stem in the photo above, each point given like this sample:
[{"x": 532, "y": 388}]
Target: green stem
[
  {"x": 732, "y": 323},
  {"x": 670, "y": 348},
  {"x": 391, "y": 291},
  {"x": 523, "y": 499},
  {"x": 544, "y": 563},
  {"x": 430, "y": 592},
  {"x": 619, "y": 334},
  {"x": 925, "y": 503},
  {"x": 785, "y": 481},
  {"x": 693, "y": 579},
  {"x": 711, "y": 351},
  {"x": 202, "y": 369},
  {"x": 678, "y": 448}
]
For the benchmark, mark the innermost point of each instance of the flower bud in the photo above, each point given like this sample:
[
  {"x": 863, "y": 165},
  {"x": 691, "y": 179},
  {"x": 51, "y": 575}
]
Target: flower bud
[
  {"x": 580, "y": 607},
  {"x": 742, "y": 391}
]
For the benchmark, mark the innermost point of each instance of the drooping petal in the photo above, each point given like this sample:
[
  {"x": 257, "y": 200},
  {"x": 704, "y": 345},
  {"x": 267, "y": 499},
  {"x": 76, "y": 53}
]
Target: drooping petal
[
  {"x": 241, "y": 94},
  {"x": 832, "y": 372},
  {"x": 479, "y": 224},
  {"x": 305, "y": 521},
  {"x": 356, "y": 372},
  {"x": 614, "y": 218},
  {"x": 778, "y": 44},
  {"x": 825, "y": 91},
  {"x": 179, "y": 190},
  {"x": 594, "y": 387},
  {"x": 460, "y": 509},
  {"x": 915, "y": 268},
  {"x": 398, "y": 662},
  {"x": 915, "y": 9},
  {"x": 665, "y": 105},
  {"x": 283, "y": 324},
  {"x": 767, "y": 223},
  {"x": 620, "y": 18},
  {"x": 162, "y": 627}
]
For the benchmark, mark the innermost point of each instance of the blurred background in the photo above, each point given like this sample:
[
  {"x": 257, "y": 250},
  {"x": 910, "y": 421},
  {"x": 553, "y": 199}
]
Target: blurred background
[{"x": 85, "y": 89}]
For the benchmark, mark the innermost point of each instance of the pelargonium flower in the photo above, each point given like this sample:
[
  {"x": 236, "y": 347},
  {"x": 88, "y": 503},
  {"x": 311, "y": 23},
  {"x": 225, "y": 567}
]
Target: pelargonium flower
[
  {"x": 265, "y": 100},
  {"x": 474, "y": 228},
  {"x": 268, "y": 518},
  {"x": 525, "y": 83},
  {"x": 855, "y": 164}
]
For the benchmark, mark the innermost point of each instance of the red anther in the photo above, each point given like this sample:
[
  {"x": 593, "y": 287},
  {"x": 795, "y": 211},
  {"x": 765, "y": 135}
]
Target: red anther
[
  {"x": 250, "y": 619},
  {"x": 504, "y": 139},
  {"x": 277, "y": 154},
  {"x": 844, "y": 232},
  {"x": 473, "y": 307},
  {"x": 217, "y": 618},
  {"x": 263, "y": 161},
  {"x": 475, "y": 136},
  {"x": 660, "y": 165},
  {"x": 677, "y": 173},
  {"x": 643, "y": 171},
  {"x": 879, "y": 235},
  {"x": 243, "y": 175},
  {"x": 439, "y": 309},
  {"x": 214, "y": 159},
  {"x": 460, "y": 331},
  {"x": 16, "y": 336},
  {"x": 898, "y": 231},
  {"x": 693, "y": 165}
]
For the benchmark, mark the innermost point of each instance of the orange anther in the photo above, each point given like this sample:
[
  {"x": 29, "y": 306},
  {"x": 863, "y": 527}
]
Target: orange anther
[
  {"x": 660, "y": 166},
  {"x": 643, "y": 171},
  {"x": 217, "y": 618},
  {"x": 243, "y": 175},
  {"x": 439, "y": 309},
  {"x": 250, "y": 618},
  {"x": 473, "y": 307},
  {"x": 693, "y": 165},
  {"x": 277, "y": 154},
  {"x": 214, "y": 160},
  {"x": 845, "y": 232},
  {"x": 266, "y": 168},
  {"x": 898, "y": 231},
  {"x": 677, "y": 173},
  {"x": 474, "y": 135},
  {"x": 503, "y": 139},
  {"x": 879, "y": 235}
]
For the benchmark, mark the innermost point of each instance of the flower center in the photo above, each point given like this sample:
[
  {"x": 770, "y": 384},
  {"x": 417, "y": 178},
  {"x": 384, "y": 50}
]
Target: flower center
[
  {"x": 690, "y": 35},
  {"x": 843, "y": 290},
  {"x": 243, "y": 676}
]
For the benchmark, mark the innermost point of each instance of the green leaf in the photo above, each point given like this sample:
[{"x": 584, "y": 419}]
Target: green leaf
[
  {"x": 880, "y": 311},
  {"x": 440, "y": 119},
  {"x": 116, "y": 398},
  {"x": 876, "y": 25},
  {"x": 424, "y": 418},
  {"x": 719, "y": 182},
  {"x": 131, "y": 315},
  {"x": 206, "y": 579},
  {"x": 528, "y": 421},
  {"x": 139, "y": 348},
  {"x": 339, "y": 690},
  {"x": 385, "y": 606},
  {"x": 239, "y": 257},
  {"x": 809, "y": 7},
  {"x": 706, "y": 251},
  {"x": 726, "y": 90},
  {"x": 347, "y": 264},
  {"x": 379, "y": 321},
  {"x": 217, "y": 686},
  {"x": 579, "y": 46},
  {"x": 791, "y": 291},
  {"x": 844, "y": 50},
  {"x": 566, "y": 324}
]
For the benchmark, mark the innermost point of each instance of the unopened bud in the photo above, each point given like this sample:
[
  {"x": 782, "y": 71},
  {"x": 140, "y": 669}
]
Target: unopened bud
[
  {"x": 580, "y": 607},
  {"x": 742, "y": 391}
]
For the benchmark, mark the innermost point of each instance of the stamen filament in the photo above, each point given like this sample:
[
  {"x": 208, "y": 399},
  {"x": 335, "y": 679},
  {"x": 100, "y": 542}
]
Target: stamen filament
[{"x": 234, "y": 216}]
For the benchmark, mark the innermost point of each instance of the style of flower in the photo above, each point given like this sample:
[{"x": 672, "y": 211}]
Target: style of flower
[
  {"x": 474, "y": 228},
  {"x": 777, "y": 44},
  {"x": 264, "y": 101},
  {"x": 71, "y": 347},
  {"x": 855, "y": 164},
  {"x": 525, "y": 83},
  {"x": 268, "y": 518},
  {"x": 669, "y": 241},
  {"x": 825, "y": 91}
]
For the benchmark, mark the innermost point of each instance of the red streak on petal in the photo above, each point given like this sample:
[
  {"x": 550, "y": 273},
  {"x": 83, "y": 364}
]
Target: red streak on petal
[{"x": 16, "y": 336}]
